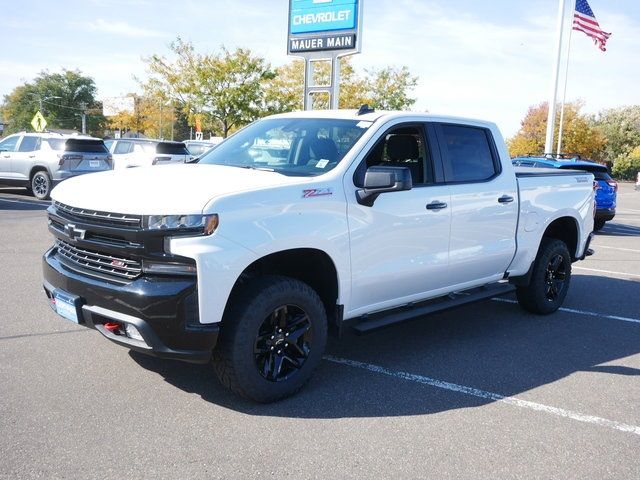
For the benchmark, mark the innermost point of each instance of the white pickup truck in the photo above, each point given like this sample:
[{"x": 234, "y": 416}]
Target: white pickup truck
[{"x": 306, "y": 222}]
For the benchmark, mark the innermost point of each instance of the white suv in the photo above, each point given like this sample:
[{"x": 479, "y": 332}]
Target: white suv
[
  {"x": 38, "y": 161},
  {"x": 145, "y": 152}
]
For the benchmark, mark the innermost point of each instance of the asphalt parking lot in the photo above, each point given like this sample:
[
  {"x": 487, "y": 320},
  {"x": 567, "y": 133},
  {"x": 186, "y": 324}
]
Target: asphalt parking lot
[{"x": 485, "y": 391}]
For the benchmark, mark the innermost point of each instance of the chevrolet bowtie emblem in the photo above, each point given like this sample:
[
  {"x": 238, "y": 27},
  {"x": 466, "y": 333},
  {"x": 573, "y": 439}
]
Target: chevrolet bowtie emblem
[{"x": 74, "y": 233}]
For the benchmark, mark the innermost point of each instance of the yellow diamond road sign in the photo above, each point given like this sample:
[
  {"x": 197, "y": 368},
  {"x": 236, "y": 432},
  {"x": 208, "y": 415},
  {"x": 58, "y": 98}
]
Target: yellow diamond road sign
[{"x": 38, "y": 123}]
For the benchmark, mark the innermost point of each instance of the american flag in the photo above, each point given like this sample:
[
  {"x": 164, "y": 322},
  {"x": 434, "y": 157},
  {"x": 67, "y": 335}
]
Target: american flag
[{"x": 585, "y": 21}]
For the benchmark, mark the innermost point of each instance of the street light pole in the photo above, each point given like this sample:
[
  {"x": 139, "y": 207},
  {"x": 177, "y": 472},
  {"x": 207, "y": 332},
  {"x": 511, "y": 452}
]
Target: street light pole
[{"x": 83, "y": 115}]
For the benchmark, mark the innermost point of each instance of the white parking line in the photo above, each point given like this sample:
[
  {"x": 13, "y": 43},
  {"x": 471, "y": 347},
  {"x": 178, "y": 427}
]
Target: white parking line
[
  {"x": 496, "y": 397},
  {"x": 580, "y": 312},
  {"x": 616, "y": 248},
  {"x": 610, "y": 272},
  {"x": 626, "y": 210}
]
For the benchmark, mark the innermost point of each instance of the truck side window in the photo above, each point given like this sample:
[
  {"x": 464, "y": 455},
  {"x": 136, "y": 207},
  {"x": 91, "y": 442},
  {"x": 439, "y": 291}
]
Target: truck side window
[
  {"x": 403, "y": 147},
  {"x": 467, "y": 153}
]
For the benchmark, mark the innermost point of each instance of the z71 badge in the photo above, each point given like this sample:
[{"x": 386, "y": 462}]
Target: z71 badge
[{"x": 317, "y": 192}]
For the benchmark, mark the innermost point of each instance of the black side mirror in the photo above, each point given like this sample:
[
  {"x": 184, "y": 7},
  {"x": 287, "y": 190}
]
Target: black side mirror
[{"x": 379, "y": 180}]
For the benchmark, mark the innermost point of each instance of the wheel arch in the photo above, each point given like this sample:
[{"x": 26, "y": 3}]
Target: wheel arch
[
  {"x": 565, "y": 229},
  {"x": 39, "y": 168},
  {"x": 309, "y": 265}
]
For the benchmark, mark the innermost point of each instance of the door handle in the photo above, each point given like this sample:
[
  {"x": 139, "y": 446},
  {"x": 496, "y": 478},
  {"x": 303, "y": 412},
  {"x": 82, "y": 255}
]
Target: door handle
[
  {"x": 32, "y": 156},
  {"x": 505, "y": 199},
  {"x": 436, "y": 205}
]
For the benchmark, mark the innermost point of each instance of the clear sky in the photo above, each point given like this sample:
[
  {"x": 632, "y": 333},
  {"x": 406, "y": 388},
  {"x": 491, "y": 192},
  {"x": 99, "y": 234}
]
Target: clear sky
[{"x": 489, "y": 59}]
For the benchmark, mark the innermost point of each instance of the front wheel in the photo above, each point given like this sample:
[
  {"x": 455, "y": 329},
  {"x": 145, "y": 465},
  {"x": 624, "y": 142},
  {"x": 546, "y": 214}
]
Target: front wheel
[
  {"x": 41, "y": 185},
  {"x": 272, "y": 338},
  {"x": 550, "y": 279}
]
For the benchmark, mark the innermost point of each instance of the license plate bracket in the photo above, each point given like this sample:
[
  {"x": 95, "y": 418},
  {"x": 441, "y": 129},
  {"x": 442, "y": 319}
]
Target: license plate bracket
[{"x": 67, "y": 305}]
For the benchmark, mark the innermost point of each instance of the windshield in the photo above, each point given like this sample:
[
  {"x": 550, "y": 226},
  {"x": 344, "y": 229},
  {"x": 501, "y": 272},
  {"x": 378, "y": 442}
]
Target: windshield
[{"x": 291, "y": 146}]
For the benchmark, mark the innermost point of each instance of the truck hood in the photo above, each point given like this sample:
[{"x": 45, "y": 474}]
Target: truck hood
[{"x": 163, "y": 190}]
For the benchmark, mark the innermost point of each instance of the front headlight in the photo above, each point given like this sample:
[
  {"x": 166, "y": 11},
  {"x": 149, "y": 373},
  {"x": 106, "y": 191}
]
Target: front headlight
[{"x": 203, "y": 224}]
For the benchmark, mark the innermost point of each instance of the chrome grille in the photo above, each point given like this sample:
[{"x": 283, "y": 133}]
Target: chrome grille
[
  {"x": 98, "y": 216},
  {"x": 89, "y": 261}
]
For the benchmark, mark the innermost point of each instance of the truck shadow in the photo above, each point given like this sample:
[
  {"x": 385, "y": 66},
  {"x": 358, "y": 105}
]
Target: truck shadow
[
  {"x": 492, "y": 346},
  {"x": 19, "y": 199},
  {"x": 619, "y": 230}
]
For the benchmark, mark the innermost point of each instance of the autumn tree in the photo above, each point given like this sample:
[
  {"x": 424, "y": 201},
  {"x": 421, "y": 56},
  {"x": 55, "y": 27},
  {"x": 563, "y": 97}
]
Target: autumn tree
[
  {"x": 385, "y": 89},
  {"x": 580, "y": 134},
  {"x": 627, "y": 167},
  {"x": 153, "y": 116},
  {"x": 390, "y": 88},
  {"x": 621, "y": 130},
  {"x": 224, "y": 87},
  {"x": 61, "y": 98}
]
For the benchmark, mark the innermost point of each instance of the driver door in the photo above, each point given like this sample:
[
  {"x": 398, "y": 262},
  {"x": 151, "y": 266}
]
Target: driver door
[
  {"x": 400, "y": 245},
  {"x": 7, "y": 149}
]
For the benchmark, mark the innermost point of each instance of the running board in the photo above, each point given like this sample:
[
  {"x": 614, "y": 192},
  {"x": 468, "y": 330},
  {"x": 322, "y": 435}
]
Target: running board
[{"x": 376, "y": 321}]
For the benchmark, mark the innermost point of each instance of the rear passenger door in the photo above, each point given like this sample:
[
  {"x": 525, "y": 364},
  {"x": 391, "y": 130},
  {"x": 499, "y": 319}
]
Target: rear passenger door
[{"x": 484, "y": 204}]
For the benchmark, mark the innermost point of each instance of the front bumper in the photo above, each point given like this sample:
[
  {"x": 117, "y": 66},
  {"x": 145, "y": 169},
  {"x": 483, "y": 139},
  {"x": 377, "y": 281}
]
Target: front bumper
[
  {"x": 163, "y": 309},
  {"x": 605, "y": 214}
]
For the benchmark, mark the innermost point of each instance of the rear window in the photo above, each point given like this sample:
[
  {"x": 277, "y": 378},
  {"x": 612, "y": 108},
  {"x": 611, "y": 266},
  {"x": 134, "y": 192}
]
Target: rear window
[
  {"x": 85, "y": 146},
  {"x": 29, "y": 144},
  {"x": 467, "y": 153},
  {"x": 56, "y": 143},
  {"x": 172, "y": 148},
  {"x": 602, "y": 176}
]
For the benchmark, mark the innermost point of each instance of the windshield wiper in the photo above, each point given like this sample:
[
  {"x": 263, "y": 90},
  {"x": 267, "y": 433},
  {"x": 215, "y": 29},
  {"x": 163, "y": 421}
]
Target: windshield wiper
[{"x": 251, "y": 167}]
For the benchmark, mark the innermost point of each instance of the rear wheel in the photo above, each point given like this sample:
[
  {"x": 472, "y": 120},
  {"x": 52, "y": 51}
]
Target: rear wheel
[
  {"x": 272, "y": 339},
  {"x": 550, "y": 279},
  {"x": 41, "y": 185},
  {"x": 598, "y": 224}
]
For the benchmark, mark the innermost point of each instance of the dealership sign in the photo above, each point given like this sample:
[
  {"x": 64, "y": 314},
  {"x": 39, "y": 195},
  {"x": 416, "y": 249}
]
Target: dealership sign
[{"x": 324, "y": 26}]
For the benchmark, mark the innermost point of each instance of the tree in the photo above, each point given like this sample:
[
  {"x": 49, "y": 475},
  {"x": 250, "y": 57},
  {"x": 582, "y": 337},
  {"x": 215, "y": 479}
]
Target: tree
[
  {"x": 621, "y": 129},
  {"x": 627, "y": 167},
  {"x": 61, "y": 98},
  {"x": 390, "y": 86},
  {"x": 225, "y": 87},
  {"x": 580, "y": 134},
  {"x": 385, "y": 89}
]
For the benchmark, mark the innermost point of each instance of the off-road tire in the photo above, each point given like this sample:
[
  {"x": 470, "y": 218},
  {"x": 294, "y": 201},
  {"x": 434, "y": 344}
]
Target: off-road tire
[
  {"x": 234, "y": 357},
  {"x": 535, "y": 297}
]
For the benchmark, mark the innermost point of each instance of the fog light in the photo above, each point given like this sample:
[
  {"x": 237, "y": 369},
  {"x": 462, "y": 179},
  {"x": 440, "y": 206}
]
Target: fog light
[{"x": 132, "y": 332}]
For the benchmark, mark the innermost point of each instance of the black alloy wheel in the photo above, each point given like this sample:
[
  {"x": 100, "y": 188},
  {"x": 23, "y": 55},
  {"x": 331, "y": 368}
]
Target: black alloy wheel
[
  {"x": 555, "y": 278},
  {"x": 550, "y": 279},
  {"x": 273, "y": 336},
  {"x": 283, "y": 343}
]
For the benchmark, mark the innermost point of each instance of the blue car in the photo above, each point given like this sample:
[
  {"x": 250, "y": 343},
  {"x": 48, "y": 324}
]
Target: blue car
[{"x": 606, "y": 187}]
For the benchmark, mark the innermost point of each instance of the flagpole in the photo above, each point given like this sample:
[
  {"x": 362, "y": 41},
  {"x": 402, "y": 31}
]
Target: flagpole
[
  {"x": 548, "y": 146},
  {"x": 564, "y": 95}
]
